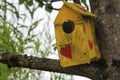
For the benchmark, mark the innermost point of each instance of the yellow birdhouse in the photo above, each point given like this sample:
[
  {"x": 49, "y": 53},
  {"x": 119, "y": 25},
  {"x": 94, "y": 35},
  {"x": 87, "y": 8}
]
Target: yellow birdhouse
[{"x": 75, "y": 37}]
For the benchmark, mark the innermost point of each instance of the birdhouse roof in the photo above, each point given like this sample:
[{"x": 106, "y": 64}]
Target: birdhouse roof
[{"x": 79, "y": 9}]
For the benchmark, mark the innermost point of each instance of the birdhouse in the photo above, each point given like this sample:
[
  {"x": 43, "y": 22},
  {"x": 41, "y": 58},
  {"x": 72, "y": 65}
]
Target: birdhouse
[{"x": 75, "y": 37}]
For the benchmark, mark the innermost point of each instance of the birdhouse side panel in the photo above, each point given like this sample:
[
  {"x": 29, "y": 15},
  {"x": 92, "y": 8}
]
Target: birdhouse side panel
[
  {"x": 92, "y": 44},
  {"x": 94, "y": 39}
]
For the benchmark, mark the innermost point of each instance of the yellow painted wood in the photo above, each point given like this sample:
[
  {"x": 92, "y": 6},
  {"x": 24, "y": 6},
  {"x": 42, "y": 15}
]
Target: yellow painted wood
[{"x": 79, "y": 46}]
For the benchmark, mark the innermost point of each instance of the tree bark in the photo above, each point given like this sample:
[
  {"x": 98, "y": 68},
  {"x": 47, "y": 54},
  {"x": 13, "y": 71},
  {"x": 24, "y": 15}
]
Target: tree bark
[
  {"x": 108, "y": 34},
  {"x": 88, "y": 70}
]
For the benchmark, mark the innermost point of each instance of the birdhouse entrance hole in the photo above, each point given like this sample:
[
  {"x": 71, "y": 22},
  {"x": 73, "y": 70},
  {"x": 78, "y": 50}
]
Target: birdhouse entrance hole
[{"x": 68, "y": 26}]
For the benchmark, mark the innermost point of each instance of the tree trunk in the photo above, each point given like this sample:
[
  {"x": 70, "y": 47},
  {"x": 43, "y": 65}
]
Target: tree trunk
[{"x": 107, "y": 26}]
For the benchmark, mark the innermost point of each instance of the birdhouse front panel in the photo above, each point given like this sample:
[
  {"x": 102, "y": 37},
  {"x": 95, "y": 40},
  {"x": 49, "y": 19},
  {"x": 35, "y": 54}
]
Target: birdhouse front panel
[{"x": 74, "y": 36}]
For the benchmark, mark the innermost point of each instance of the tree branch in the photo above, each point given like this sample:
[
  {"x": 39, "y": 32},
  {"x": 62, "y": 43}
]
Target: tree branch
[{"x": 14, "y": 60}]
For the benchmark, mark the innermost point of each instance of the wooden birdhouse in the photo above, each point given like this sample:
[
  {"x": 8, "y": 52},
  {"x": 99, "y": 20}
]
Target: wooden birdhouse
[{"x": 75, "y": 37}]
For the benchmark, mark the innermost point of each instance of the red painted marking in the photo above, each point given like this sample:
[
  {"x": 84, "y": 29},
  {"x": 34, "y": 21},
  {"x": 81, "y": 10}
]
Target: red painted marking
[
  {"x": 90, "y": 44},
  {"x": 81, "y": 8},
  {"x": 66, "y": 51}
]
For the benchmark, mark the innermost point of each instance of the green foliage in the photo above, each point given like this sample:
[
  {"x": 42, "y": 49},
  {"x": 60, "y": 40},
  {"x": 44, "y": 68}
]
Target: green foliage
[
  {"x": 85, "y": 3},
  {"x": 55, "y": 76},
  {"x": 13, "y": 40},
  {"x": 21, "y": 1},
  {"x": 48, "y": 7},
  {"x": 4, "y": 72},
  {"x": 31, "y": 11},
  {"x": 46, "y": 3},
  {"x": 6, "y": 41},
  {"x": 12, "y": 9},
  {"x": 29, "y": 2},
  {"x": 32, "y": 27},
  {"x": 54, "y": 47},
  {"x": 41, "y": 3},
  {"x": 37, "y": 45}
]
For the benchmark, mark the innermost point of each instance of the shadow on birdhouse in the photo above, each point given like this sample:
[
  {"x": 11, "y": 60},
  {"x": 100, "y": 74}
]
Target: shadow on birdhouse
[{"x": 75, "y": 37}]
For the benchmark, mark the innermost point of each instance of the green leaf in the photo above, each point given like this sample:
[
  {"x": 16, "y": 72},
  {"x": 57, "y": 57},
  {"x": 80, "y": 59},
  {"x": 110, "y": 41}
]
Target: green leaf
[
  {"x": 37, "y": 45},
  {"x": 29, "y": 2},
  {"x": 4, "y": 72},
  {"x": 54, "y": 47},
  {"x": 85, "y": 3},
  {"x": 21, "y": 1},
  {"x": 48, "y": 7},
  {"x": 41, "y": 4},
  {"x": 33, "y": 26},
  {"x": 31, "y": 11},
  {"x": 15, "y": 9}
]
